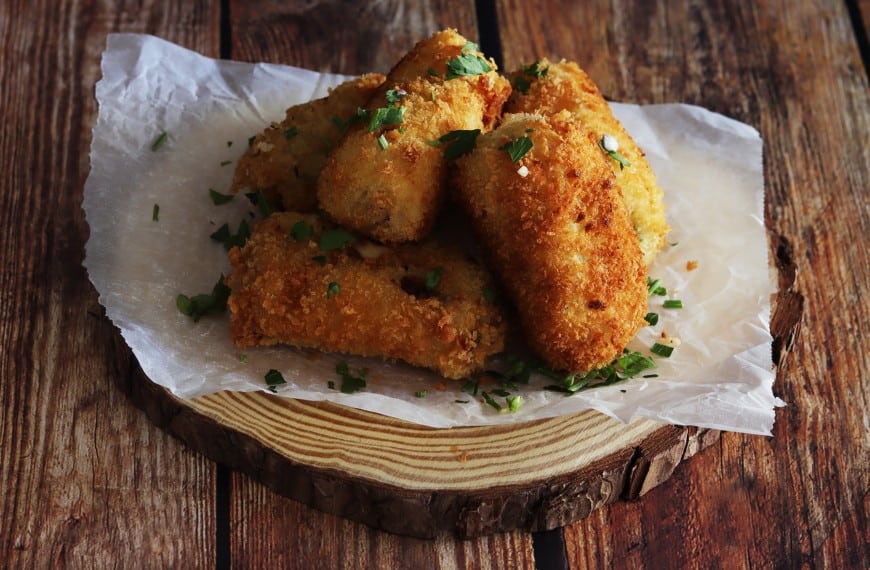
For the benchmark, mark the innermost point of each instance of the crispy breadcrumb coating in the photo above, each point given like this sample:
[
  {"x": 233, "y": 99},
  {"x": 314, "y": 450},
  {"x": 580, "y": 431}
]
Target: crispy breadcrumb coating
[
  {"x": 548, "y": 88},
  {"x": 362, "y": 298},
  {"x": 388, "y": 182},
  {"x": 559, "y": 238},
  {"x": 285, "y": 160}
]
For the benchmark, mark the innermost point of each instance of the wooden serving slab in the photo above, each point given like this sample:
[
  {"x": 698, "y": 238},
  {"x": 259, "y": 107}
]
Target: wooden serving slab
[{"x": 419, "y": 481}]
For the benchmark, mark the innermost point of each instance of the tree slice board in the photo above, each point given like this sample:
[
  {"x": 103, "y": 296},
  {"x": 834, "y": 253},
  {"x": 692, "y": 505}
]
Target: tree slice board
[{"x": 418, "y": 481}]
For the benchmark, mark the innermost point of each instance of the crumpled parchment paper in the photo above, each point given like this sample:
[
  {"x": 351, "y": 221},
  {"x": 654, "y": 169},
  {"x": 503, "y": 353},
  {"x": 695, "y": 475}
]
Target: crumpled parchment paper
[{"x": 709, "y": 166}]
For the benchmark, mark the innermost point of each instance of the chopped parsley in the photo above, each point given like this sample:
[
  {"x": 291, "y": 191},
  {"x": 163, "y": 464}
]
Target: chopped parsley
[
  {"x": 518, "y": 148},
  {"x": 251, "y": 140},
  {"x": 261, "y": 202},
  {"x": 290, "y": 133},
  {"x": 529, "y": 72},
  {"x": 386, "y": 117},
  {"x": 226, "y": 162},
  {"x": 205, "y": 303},
  {"x": 273, "y": 379},
  {"x": 431, "y": 71},
  {"x": 349, "y": 382},
  {"x": 491, "y": 401},
  {"x": 628, "y": 365},
  {"x": 433, "y": 278},
  {"x": 159, "y": 141},
  {"x": 396, "y": 95},
  {"x": 230, "y": 240},
  {"x": 301, "y": 230},
  {"x": 335, "y": 238},
  {"x": 652, "y": 318},
  {"x": 332, "y": 289},
  {"x": 461, "y": 401},
  {"x": 470, "y": 387},
  {"x": 467, "y": 63},
  {"x": 155, "y": 213},
  {"x": 421, "y": 393},
  {"x": 219, "y": 199},
  {"x": 514, "y": 402},
  {"x": 662, "y": 350},
  {"x": 243, "y": 358},
  {"x": 459, "y": 142}
]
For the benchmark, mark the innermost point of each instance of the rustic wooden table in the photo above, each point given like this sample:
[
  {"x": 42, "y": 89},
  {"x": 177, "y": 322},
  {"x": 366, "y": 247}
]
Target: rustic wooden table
[{"x": 87, "y": 481}]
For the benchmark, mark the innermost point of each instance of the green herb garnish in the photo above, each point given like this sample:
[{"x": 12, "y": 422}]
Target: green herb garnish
[
  {"x": 518, "y": 148},
  {"x": 155, "y": 213},
  {"x": 251, "y": 140},
  {"x": 467, "y": 63},
  {"x": 461, "y": 401},
  {"x": 382, "y": 142},
  {"x": 489, "y": 400},
  {"x": 534, "y": 71},
  {"x": 623, "y": 162},
  {"x": 301, "y": 230},
  {"x": 261, "y": 202},
  {"x": 226, "y": 162},
  {"x": 321, "y": 259},
  {"x": 652, "y": 318},
  {"x": 421, "y": 393},
  {"x": 514, "y": 402},
  {"x": 290, "y": 133},
  {"x": 433, "y": 278},
  {"x": 386, "y": 117},
  {"x": 219, "y": 199},
  {"x": 431, "y": 71},
  {"x": 488, "y": 294},
  {"x": 470, "y": 387},
  {"x": 243, "y": 358},
  {"x": 662, "y": 350},
  {"x": 396, "y": 95},
  {"x": 459, "y": 142},
  {"x": 159, "y": 141},
  {"x": 673, "y": 304},
  {"x": 628, "y": 365},
  {"x": 332, "y": 289},
  {"x": 230, "y": 240},
  {"x": 349, "y": 382},
  {"x": 655, "y": 287},
  {"x": 273, "y": 379},
  {"x": 206, "y": 303},
  {"x": 335, "y": 238}
]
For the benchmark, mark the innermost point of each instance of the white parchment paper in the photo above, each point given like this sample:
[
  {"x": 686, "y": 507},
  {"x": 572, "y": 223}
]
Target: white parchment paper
[{"x": 709, "y": 166}]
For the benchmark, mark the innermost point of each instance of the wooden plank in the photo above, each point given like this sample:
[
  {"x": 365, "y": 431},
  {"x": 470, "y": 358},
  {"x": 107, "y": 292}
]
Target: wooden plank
[
  {"x": 371, "y": 38},
  {"x": 87, "y": 481},
  {"x": 793, "y": 71}
]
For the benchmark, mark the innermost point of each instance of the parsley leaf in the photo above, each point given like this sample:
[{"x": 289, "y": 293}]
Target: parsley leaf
[
  {"x": 385, "y": 117},
  {"x": 204, "y": 304},
  {"x": 459, "y": 142},
  {"x": 349, "y": 382},
  {"x": 230, "y": 240},
  {"x": 218, "y": 199},
  {"x": 625, "y": 366},
  {"x": 274, "y": 378},
  {"x": 290, "y": 133},
  {"x": 518, "y": 148},
  {"x": 396, "y": 95},
  {"x": 301, "y": 230},
  {"x": 261, "y": 202},
  {"x": 433, "y": 278},
  {"x": 662, "y": 350},
  {"x": 332, "y": 289},
  {"x": 466, "y": 64},
  {"x": 335, "y": 238}
]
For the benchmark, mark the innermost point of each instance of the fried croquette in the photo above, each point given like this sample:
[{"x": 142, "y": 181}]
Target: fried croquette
[
  {"x": 387, "y": 176},
  {"x": 558, "y": 236},
  {"x": 285, "y": 160},
  {"x": 546, "y": 88},
  {"x": 300, "y": 282}
]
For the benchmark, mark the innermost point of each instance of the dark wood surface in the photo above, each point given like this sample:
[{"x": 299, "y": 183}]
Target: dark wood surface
[{"x": 88, "y": 481}]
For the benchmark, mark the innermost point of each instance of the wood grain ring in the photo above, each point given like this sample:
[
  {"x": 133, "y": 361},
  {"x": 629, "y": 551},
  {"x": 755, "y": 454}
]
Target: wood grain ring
[{"x": 418, "y": 481}]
